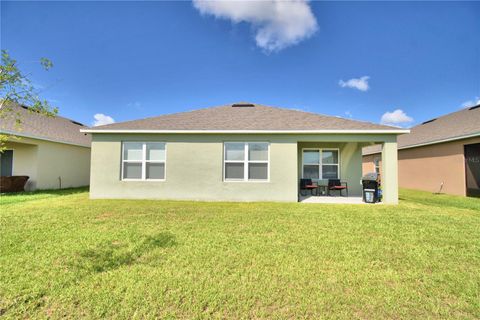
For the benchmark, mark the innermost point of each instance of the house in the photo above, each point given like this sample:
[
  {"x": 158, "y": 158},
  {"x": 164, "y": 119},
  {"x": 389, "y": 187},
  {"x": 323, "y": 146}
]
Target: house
[
  {"x": 238, "y": 152},
  {"x": 439, "y": 155},
  {"x": 50, "y": 150}
]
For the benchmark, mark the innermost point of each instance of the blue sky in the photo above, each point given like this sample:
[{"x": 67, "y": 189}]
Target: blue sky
[{"x": 130, "y": 60}]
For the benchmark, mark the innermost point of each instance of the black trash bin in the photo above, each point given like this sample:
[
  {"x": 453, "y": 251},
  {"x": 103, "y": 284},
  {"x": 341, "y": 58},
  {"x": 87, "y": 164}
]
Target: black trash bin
[{"x": 370, "y": 183}]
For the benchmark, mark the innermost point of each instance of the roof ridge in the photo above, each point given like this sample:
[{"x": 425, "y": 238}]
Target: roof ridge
[
  {"x": 28, "y": 109},
  {"x": 160, "y": 115},
  {"x": 259, "y": 117},
  {"x": 329, "y": 116}
]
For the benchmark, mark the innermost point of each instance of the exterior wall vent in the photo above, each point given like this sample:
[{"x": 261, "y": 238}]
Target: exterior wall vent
[
  {"x": 428, "y": 121},
  {"x": 243, "y": 105},
  {"x": 77, "y": 123}
]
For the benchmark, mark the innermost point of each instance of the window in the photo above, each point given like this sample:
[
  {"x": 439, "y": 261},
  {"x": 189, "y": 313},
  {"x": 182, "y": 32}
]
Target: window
[
  {"x": 376, "y": 163},
  {"x": 143, "y": 161},
  {"x": 246, "y": 161},
  {"x": 321, "y": 164},
  {"x": 6, "y": 163}
]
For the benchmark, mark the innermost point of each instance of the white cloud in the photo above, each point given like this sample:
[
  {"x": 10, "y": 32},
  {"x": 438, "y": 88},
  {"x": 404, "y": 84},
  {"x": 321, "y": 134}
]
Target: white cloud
[
  {"x": 471, "y": 103},
  {"x": 277, "y": 23},
  {"x": 396, "y": 118},
  {"x": 348, "y": 114},
  {"x": 101, "y": 119},
  {"x": 356, "y": 83}
]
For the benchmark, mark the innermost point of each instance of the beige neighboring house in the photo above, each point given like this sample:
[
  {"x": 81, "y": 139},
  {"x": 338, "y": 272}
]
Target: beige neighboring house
[
  {"x": 442, "y": 154},
  {"x": 237, "y": 152},
  {"x": 50, "y": 150}
]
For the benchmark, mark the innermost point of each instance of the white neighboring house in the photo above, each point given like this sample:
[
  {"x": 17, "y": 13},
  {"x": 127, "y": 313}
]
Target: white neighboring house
[{"x": 51, "y": 151}]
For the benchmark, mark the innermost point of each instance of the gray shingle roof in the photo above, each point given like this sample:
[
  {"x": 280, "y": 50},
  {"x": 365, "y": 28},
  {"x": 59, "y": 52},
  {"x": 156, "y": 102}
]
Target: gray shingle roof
[
  {"x": 465, "y": 122},
  {"x": 43, "y": 127},
  {"x": 253, "y": 117}
]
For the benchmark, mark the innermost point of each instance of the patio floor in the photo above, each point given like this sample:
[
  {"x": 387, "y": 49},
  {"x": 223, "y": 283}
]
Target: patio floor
[{"x": 331, "y": 199}]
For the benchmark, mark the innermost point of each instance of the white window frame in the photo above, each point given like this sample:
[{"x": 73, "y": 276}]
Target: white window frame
[
  {"x": 143, "y": 161},
  {"x": 245, "y": 162},
  {"x": 320, "y": 164}
]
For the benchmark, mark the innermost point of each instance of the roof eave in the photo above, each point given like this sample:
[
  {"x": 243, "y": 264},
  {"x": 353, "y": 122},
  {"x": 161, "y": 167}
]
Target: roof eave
[
  {"x": 369, "y": 131},
  {"x": 23, "y": 135},
  {"x": 472, "y": 135}
]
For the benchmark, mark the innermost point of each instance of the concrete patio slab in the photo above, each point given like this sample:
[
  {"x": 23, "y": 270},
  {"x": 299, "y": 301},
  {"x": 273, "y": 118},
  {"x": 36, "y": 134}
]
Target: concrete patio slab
[{"x": 327, "y": 199}]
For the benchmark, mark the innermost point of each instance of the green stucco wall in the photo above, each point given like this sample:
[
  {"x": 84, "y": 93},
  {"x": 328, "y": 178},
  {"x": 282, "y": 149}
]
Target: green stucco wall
[
  {"x": 194, "y": 170},
  {"x": 194, "y": 166}
]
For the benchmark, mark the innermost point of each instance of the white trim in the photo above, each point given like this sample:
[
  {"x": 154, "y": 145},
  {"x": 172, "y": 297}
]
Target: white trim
[
  {"x": 320, "y": 164},
  {"x": 339, "y": 131},
  {"x": 42, "y": 138},
  {"x": 246, "y": 162},
  {"x": 143, "y": 161}
]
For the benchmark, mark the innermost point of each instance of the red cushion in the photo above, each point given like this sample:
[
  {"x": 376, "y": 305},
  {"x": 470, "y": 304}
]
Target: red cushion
[
  {"x": 310, "y": 186},
  {"x": 338, "y": 187}
]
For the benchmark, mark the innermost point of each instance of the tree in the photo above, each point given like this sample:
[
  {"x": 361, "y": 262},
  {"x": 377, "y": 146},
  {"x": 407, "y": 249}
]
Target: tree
[{"x": 17, "y": 88}]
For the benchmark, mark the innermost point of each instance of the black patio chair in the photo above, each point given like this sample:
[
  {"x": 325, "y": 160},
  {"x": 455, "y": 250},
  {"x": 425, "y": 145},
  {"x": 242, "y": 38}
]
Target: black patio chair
[
  {"x": 306, "y": 185},
  {"x": 337, "y": 185}
]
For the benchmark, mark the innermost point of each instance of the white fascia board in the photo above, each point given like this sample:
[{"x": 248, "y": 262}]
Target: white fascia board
[{"x": 380, "y": 131}]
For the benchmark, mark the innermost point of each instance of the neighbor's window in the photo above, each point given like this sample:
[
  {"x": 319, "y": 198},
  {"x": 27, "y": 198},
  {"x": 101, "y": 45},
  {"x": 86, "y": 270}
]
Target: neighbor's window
[
  {"x": 320, "y": 164},
  {"x": 246, "y": 161},
  {"x": 143, "y": 161},
  {"x": 376, "y": 162}
]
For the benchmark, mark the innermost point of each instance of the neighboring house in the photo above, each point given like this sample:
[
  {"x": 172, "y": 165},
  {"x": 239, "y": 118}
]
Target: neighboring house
[
  {"x": 442, "y": 151},
  {"x": 50, "y": 150},
  {"x": 239, "y": 152}
]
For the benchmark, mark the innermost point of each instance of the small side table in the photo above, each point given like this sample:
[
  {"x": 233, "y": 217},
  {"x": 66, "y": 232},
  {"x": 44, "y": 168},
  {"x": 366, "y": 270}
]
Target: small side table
[{"x": 322, "y": 189}]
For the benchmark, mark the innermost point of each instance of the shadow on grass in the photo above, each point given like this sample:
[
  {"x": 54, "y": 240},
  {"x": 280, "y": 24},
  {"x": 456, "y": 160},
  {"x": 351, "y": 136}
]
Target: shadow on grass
[
  {"x": 113, "y": 255},
  {"x": 59, "y": 192},
  {"x": 19, "y": 197}
]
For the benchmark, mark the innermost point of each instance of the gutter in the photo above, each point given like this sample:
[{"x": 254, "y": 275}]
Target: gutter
[{"x": 379, "y": 131}]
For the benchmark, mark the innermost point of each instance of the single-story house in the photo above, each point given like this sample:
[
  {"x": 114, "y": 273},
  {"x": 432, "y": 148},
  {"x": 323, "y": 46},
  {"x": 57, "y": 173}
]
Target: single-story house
[
  {"x": 237, "y": 152},
  {"x": 439, "y": 155},
  {"x": 50, "y": 150}
]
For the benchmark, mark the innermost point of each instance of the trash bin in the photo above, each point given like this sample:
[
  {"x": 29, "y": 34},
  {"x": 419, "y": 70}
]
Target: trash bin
[{"x": 370, "y": 183}]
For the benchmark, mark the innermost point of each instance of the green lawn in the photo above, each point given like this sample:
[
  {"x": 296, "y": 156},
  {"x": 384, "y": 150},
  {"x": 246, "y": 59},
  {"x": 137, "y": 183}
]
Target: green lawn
[{"x": 62, "y": 255}]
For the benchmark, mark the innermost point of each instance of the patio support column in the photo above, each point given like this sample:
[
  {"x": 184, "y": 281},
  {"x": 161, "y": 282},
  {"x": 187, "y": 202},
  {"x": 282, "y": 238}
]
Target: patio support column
[{"x": 390, "y": 172}]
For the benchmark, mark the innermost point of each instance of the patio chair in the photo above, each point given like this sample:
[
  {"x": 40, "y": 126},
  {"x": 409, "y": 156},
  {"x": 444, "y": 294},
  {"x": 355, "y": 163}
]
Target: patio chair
[
  {"x": 336, "y": 184},
  {"x": 307, "y": 184}
]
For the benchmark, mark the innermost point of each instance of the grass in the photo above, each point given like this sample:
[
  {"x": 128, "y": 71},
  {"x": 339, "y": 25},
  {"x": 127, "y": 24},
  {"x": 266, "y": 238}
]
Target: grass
[{"x": 64, "y": 256}]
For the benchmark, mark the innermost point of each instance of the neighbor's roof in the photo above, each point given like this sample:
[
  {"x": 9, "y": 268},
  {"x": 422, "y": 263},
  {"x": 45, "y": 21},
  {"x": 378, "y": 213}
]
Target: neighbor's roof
[
  {"x": 39, "y": 126},
  {"x": 458, "y": 125},
  {"x": 244, "y": 118}
]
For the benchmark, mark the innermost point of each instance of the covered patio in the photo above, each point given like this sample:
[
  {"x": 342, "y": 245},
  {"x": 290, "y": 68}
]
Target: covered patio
[{"x": 333, "y": 164}]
